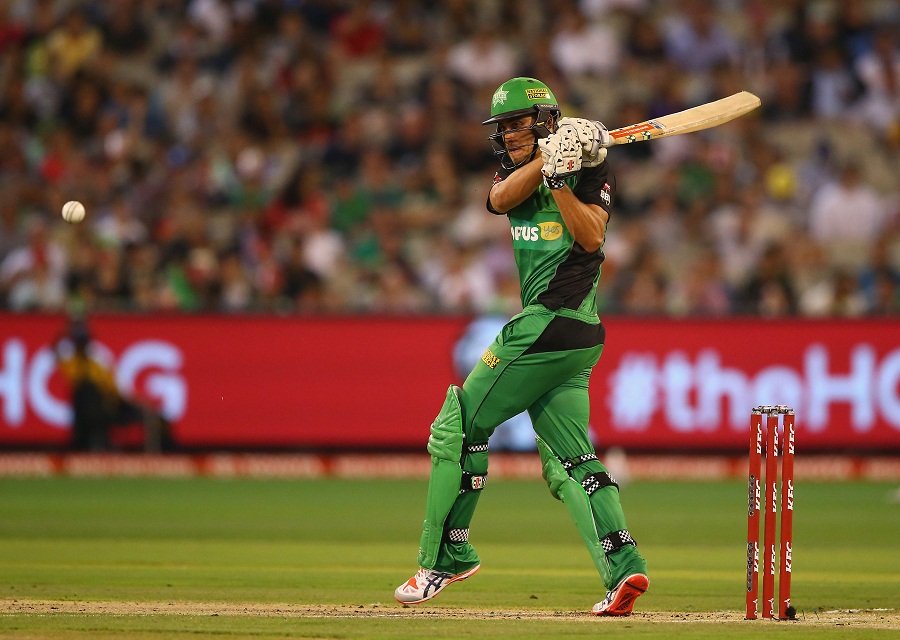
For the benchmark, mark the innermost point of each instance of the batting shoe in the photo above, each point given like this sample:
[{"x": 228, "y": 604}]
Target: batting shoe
[
  {"x": 620, "y": 601},
  {"x": 427, "y": 583}
]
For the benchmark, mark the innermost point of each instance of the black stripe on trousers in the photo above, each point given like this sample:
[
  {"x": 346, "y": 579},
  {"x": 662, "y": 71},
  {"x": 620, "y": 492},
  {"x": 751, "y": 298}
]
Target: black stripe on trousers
[{"x": 566, "y": 334}]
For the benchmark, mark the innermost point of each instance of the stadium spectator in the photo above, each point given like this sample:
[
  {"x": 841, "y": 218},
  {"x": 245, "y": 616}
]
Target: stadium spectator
[
  {"x": 73, "y": 45},
  {"x": 483, "y": 60},
  {"x": 847, "y": 238},
  {"x": 584, "y": 47},
  {"x": 697, "y": 40},
  {"x": 32, "y": 277},
  {"x": 184, "y": 127},
  {"x": 833, "y": 86},
  {"x": 879, "y": 71},
  {"x": 769, "y": 292}
]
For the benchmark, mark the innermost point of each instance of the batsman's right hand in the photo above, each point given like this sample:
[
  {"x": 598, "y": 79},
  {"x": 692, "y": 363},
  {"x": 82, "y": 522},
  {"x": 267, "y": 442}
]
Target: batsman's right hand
[{"x": 561, "y": 153}]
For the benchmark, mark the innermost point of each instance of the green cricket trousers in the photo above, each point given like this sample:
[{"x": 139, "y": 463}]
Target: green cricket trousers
[{"x": 540, "y": 362}]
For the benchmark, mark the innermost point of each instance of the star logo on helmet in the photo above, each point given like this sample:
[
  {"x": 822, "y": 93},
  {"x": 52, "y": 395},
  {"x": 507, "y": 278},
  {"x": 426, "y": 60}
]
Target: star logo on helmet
[{"x": 499, "y": 97}]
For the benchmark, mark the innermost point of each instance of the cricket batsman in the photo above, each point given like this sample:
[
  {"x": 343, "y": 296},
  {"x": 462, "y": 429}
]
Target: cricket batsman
[{"x": 555, "y": 188}]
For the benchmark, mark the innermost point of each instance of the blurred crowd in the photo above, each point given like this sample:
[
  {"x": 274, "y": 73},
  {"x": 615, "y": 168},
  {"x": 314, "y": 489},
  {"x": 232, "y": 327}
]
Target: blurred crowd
[{"x": 327, "y": 156}]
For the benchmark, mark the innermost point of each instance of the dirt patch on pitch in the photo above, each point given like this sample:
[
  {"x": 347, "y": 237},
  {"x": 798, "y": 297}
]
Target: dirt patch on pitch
[{"x": 871, "y": 618}]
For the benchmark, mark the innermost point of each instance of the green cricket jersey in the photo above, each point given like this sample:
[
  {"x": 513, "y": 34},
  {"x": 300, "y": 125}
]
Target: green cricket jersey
[{"x": 554, "y": 270}]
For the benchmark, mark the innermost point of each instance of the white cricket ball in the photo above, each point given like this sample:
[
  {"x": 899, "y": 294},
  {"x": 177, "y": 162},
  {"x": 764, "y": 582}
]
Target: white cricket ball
[{"x": 73, "y": 211}]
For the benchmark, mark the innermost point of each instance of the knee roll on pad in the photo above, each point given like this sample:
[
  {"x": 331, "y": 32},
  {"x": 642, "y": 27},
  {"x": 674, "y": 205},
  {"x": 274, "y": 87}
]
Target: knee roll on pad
[
  {"x": 446, "y": 439},
  {"x": 447, "y": 442}
]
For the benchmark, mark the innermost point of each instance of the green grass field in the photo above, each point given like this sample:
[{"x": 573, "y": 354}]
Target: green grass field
[{"x": 204, "y": 558}]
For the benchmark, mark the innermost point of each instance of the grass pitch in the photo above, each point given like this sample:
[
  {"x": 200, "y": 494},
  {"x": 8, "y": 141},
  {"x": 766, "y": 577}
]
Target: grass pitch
[{"x": 209, "y": 558}]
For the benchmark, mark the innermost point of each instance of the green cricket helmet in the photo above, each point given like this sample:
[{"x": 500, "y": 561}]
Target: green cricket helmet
[{"x": 519, "y": 97}]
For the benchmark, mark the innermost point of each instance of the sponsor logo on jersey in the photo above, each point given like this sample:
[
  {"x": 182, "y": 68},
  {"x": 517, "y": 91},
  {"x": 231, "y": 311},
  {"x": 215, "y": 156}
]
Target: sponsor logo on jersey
[
  {"x": 497, "y": 178},
  {"x": 550, "y": 230},
  {"x": 490, "y": 359},
  {"x": 536, "y": 94},
  {"x": 540, "y": 231},
  {"x": 524, "y": 233},
  {"x": 605, "y": 194}
]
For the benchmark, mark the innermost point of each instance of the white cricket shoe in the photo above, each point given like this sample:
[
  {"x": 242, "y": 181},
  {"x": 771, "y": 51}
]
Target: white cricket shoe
[
  {"x": 427, "y": 583},
  {"x": 620, "y": 601}
]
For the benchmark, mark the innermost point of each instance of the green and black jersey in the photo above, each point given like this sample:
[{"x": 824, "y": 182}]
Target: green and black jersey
[{"x": 554, "y": 270}]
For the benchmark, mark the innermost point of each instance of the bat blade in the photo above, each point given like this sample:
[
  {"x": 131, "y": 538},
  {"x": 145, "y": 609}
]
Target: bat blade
[{"x": 704, "y": 116}]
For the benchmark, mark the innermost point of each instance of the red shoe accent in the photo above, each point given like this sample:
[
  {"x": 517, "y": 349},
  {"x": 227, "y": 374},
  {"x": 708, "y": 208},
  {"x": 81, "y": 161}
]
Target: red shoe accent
[{"x": 620, "y": 601}]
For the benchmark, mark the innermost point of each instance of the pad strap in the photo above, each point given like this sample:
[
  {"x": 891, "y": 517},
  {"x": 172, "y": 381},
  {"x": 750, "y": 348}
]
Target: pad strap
[
  {"x": 571, "y": 463},
  {"x": 457, "y": 535},
  {"x": 615, "y": 540},
  {"x": 477, "y": 447},
  {"x": 472, "y": 482},
  {"x": 597, "y": 481}
]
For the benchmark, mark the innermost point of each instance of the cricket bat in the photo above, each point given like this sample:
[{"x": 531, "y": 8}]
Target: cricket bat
[{"x": 704, "y": 116}]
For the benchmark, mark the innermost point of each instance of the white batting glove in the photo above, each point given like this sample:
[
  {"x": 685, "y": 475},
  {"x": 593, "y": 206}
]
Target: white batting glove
[
  {"x": 561, "y": 153},
  {"x": 594, "y": 138}
]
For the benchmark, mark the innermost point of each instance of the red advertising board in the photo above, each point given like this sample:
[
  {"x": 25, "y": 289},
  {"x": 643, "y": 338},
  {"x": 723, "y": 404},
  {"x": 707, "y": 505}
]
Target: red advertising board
[{"x": 364, "y": 382}]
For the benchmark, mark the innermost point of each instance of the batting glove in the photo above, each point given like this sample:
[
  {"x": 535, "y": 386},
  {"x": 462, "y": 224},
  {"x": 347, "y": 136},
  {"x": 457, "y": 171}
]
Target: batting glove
[
  {"x": 561, "y": 153},
  {"x": 594, "y": 138}
]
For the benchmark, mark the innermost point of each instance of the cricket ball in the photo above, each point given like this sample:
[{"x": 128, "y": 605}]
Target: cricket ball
[{"x": 73, "y": 211}]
